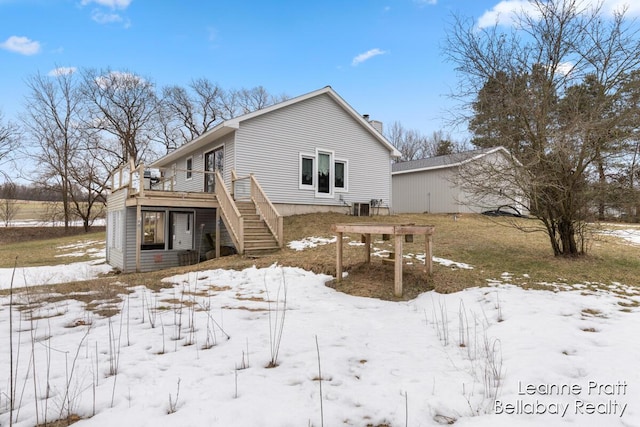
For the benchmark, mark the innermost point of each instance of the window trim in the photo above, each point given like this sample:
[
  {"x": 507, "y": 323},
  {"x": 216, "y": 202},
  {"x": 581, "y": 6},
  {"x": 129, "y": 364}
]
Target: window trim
[
  {"x": 189, "y": 168},
  {"x": 221, "y": 147},
  {"x": 345, "y": 187},
  {"x": 153, "y": 246},
  {"x": 333, "y": 160},
  {"x": 311, "y": 157},
  {"x": 331, "y": 155}
]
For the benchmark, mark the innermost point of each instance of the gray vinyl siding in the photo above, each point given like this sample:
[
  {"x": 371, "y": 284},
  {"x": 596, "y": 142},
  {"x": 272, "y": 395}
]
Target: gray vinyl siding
[
  {"x": 130, "y": 241},
  {"x": 116, "y": 237},
  {"x": 269, "y": 146},
  {"x": 429, "y": 191},
  {"x": 151, "y": 260},
  {"x": 196, "y": 183}
]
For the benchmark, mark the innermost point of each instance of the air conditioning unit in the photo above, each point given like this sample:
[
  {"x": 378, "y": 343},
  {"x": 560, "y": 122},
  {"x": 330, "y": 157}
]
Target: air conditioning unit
[{"x": 361, "y": 209}]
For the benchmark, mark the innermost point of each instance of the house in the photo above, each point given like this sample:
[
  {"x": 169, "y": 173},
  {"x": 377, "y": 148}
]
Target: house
[
  {"x": 229, "y": 188},
  {"x": 436, "y": 184}
]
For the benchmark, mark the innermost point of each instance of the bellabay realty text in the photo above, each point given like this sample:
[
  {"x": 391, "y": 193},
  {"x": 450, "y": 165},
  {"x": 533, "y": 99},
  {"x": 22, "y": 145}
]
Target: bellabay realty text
[{"x": 588, "y": 398}]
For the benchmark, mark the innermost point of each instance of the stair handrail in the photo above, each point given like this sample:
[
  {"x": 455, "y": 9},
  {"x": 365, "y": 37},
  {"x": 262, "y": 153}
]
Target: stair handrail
[
  {"x": 267, "y": 211},
  {"x": 230, "y": 213}
]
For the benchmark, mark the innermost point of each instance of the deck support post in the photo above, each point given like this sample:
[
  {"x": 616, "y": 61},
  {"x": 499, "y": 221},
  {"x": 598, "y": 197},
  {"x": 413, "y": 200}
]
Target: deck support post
[
  {"x": 397, "y": 288},
  {"x": 139, "y": 232},
  {"x": 339, "y": 257},
  {"x": 218, "y": 233}
]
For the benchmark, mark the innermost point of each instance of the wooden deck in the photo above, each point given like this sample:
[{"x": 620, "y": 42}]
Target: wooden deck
[{"x": 173, "y": 199}]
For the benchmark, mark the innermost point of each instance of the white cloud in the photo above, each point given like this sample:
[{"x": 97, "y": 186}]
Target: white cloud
[
  {"x": 632, "y": 7},
  {"x": 424, "y": 2},
  {"x": 503, "y": 12},
  {"x": 367, "y": 55},
  {"x": 113, "y": 4},
  {"x": 119, "y": 79},
  {"x": 21, "y": 45},
  {"x": 565, "y": 68},
  {"x": 212, "y": 34},
  {"x": 105, "y": 18},
  {"x": 62, "y": 71}
]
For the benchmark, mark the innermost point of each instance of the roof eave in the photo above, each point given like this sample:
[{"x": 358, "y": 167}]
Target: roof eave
[
  {"x": 217, "y": 132},
  {"x": 461, "y": 162},
  {"x": 229, "y": 125}
]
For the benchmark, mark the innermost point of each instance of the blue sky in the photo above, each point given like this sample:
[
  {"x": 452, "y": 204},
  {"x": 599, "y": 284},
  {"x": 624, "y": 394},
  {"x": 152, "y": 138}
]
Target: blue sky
[{"x": 383, "y": 56}]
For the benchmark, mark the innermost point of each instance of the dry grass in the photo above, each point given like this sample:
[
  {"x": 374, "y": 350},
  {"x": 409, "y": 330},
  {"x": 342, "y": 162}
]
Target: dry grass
[
  {"x": 36, "y": 246},
  {"x": 488, "y": 244}
]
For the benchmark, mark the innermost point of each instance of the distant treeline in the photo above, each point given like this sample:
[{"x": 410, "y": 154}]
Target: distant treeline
[{"x": 28, "y": 192}]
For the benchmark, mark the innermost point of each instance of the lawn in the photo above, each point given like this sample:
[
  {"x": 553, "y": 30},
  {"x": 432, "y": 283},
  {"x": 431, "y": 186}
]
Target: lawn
[
  {"x": 264, "y": 341},
  {"x": 490, "y": 245}
]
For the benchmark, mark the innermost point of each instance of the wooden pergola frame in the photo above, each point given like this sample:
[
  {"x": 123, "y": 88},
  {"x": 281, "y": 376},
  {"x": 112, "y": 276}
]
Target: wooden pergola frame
[{"x": 397, "y": 230}]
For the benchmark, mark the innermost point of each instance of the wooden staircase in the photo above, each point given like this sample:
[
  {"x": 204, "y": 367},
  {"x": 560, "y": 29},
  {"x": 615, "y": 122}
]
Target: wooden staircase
[{"x": 258, "y": 239}]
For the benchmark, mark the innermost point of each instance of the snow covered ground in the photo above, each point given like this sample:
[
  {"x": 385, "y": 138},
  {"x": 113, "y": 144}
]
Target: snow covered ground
[
  {"x": 196, "y": 354},
  {"x": 62, "y": 273},
  {"x": 42, "y": 223}
]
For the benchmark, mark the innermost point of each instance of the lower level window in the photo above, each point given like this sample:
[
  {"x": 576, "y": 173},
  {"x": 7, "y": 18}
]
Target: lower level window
[{"x": 153, "y": 230}]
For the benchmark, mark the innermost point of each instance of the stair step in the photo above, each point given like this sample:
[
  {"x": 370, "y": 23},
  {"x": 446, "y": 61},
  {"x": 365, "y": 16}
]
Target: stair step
[
  {"x": 256, "y": 226},
  {"x": 257, "y": 236},
  {"x": 263, "y": 242},
  {"x": 263, "y": 246}
]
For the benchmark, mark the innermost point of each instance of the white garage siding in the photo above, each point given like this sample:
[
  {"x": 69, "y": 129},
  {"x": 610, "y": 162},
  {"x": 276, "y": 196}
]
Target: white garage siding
[
  {"x": 429, "y": 185},
  {"x": 426, "y": 192}
]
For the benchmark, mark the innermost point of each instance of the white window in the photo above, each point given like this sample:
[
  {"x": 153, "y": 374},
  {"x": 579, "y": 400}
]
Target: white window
[
  {"x": 323, "y": 173},
  {"x": 341, "y": 180},
  {"x": 153, "y": 230},
  {"x": 189, "y": 168},
  {"x": 306, "y": 176}
]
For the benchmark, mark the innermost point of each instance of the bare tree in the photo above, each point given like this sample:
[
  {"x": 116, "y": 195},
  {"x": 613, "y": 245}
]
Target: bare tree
[
  {"x": 8, "y": 139},
  {"x": 9, "y": 207},
  {"x": 123, "y": 105},
  {"x": 236, "y": 102},
  {"x": 70, "y": 160},
  {"x": 186, "y": 113},
  {"x": 256, "y": 98},
  {"x": 441, "y": 144},
  {"x": 410, "y": 143},
  {"x": 90, "y": 179},
  {"x": 413, "y": 145},
  {"x": 548, "y": 90},
  {"x": 52, "y": 119}
]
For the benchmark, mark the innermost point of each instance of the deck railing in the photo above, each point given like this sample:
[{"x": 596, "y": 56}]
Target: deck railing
[
  {"x": 134, "y": 179},
  {"x": 128, "y": 176},
  {"x": 268, "y": 212},
  {"x": 131, "y": 177},
  {"x": 241, "y": 187},
  {"x": 231, "y": 214}
]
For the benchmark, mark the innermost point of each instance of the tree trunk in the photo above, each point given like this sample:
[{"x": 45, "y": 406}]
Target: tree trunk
[
  {"x": 567, "y": 234},
  {"x": 602, "y": 181}
]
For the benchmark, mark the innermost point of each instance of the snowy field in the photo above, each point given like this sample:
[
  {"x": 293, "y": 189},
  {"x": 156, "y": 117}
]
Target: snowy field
[
  {"x": 62, "y": 273},
  {"x": 197, "y": 354},
  {"x": 41, "y": 223}
]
